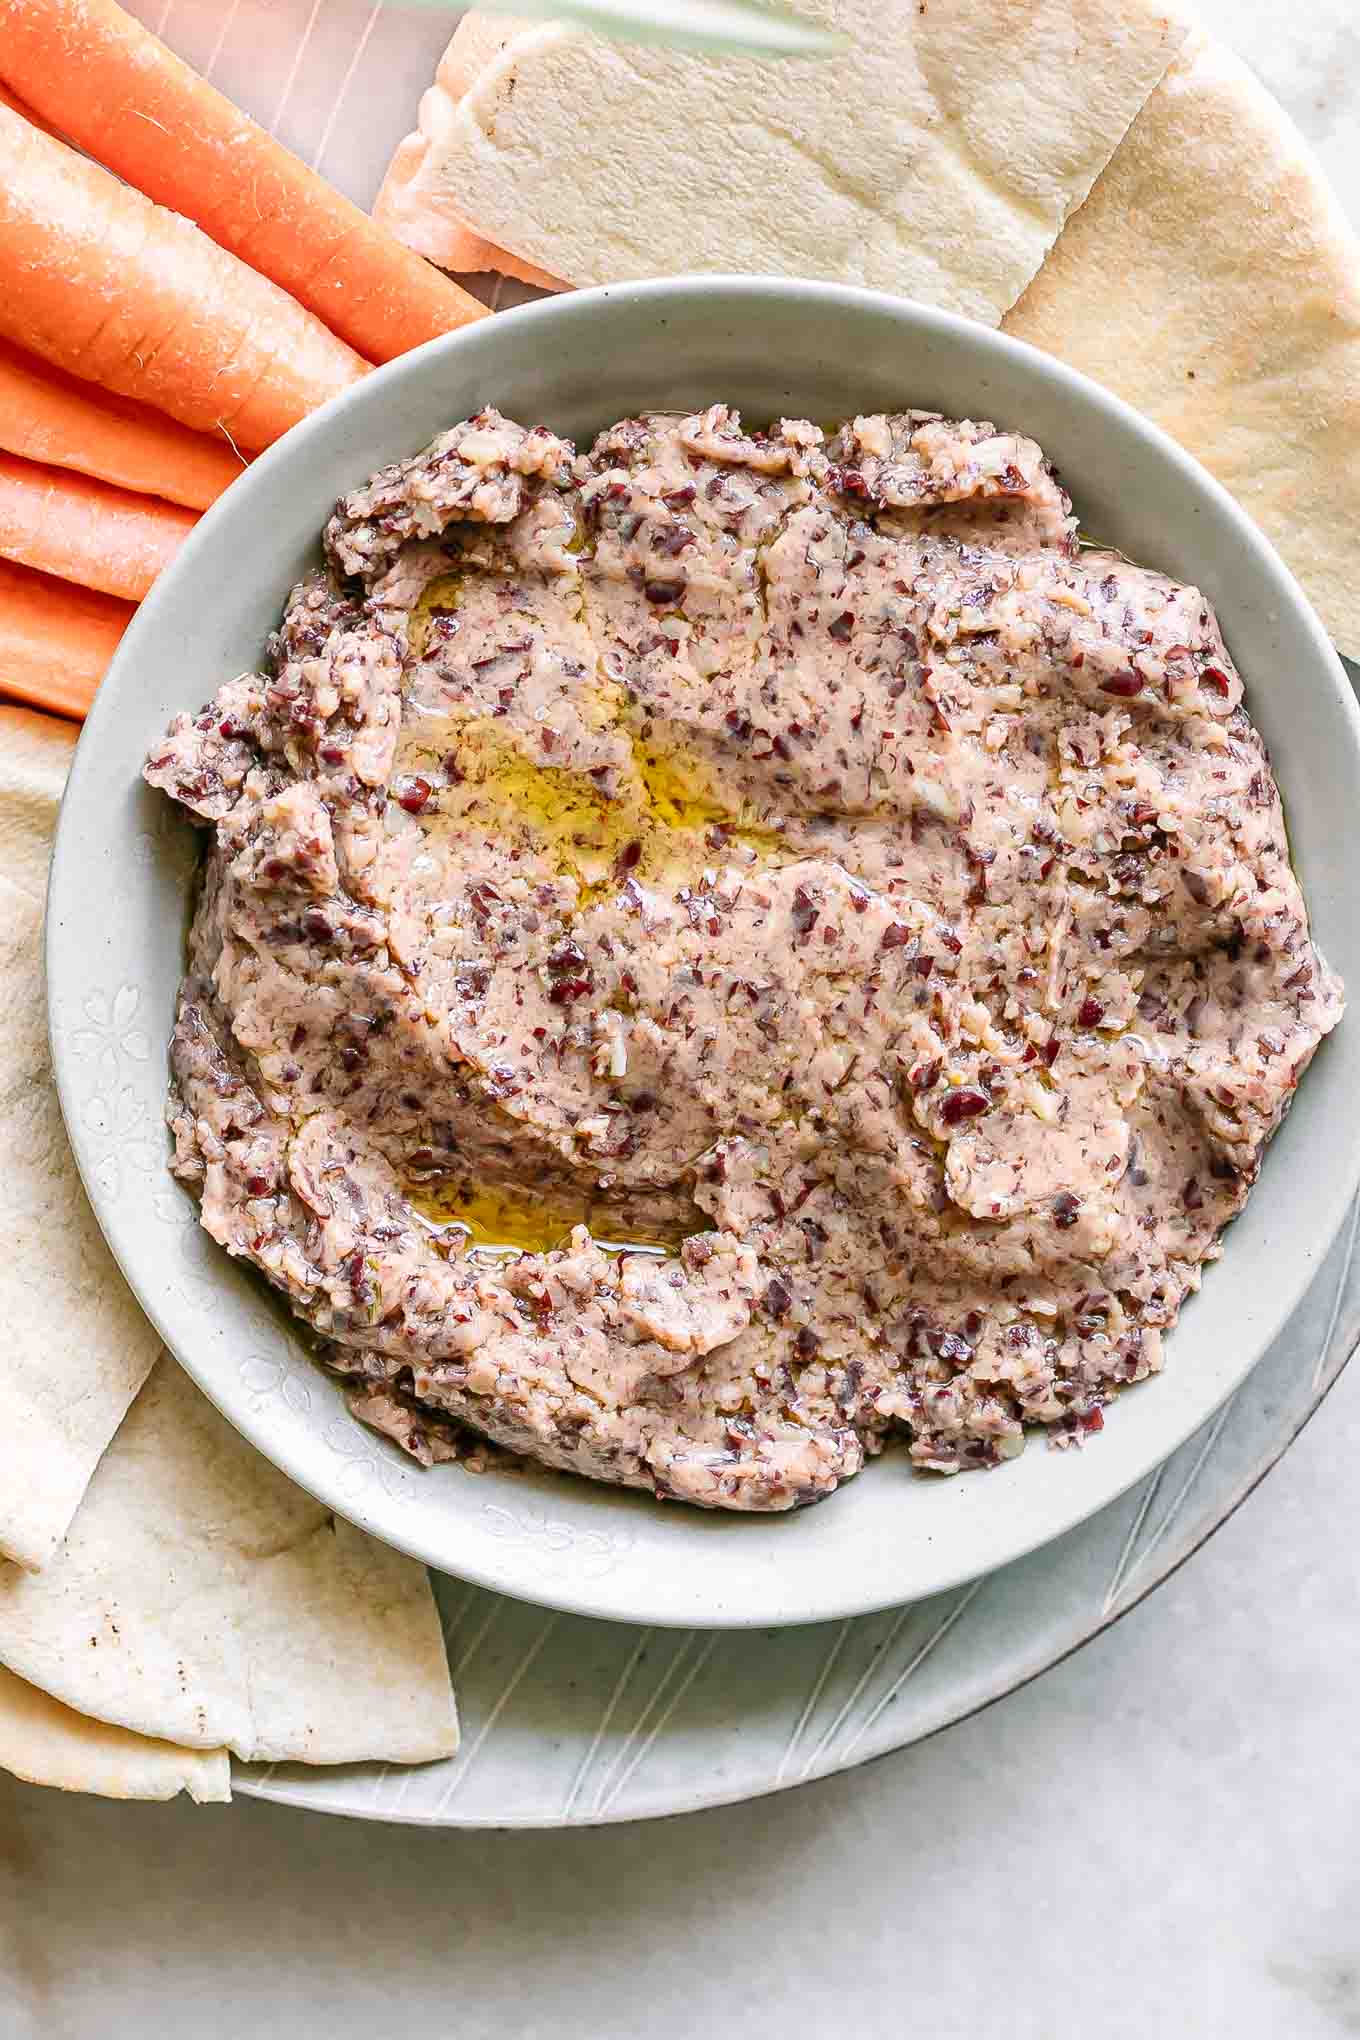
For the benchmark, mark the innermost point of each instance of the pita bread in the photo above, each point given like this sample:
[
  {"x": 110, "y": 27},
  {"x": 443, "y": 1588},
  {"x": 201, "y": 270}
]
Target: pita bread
[
  {"x": 44, "y": 1743},
  {"x": 441, "y": 235},
  {"x": 1212, "y": 280},
  {"x": 78, "y": 1348},
  {"x": 202, "y": 1599},
  {"x": 937, "y": 157}
]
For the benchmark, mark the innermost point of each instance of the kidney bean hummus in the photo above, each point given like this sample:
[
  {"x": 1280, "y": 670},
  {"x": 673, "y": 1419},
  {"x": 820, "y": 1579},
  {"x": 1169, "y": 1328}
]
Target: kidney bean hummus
[{"x": 733, "y": 948}]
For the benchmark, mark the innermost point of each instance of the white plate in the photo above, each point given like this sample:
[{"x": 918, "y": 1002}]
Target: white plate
[
  {"x": 568, "y": 1722},
  {"x": 122, "y": 865}
]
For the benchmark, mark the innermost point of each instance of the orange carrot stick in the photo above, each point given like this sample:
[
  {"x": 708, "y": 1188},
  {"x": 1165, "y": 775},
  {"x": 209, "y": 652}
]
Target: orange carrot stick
[
  {"x": 55, "y": 640},
  {"x": 16, "y": 106},
  {"x": 50, "y": 417},
  {"x": 85, "y": 531},
  {"x": 119, "y": 93},
  {"x": 110, "y": 287}
]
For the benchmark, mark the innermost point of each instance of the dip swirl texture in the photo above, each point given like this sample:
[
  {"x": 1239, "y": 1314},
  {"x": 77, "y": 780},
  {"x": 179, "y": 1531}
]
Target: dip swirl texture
[{"x": 728, "y": 949}]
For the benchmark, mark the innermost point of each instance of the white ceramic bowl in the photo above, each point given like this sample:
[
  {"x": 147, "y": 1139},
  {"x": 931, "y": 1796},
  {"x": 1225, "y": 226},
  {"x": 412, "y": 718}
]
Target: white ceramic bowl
[{"x": 119, "y": 897}]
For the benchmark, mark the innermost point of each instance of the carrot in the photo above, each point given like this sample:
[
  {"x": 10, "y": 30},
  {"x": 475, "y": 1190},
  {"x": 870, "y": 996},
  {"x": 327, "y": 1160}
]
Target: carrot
[
  {"x": 135, "y": 106},
  {"x": 53, "y": 418},
  {"x": 17, "y": 106},
  {"x": 110, "y": 287},
  {"x": 85, "y": 531},
  {"x": 55, "y": 640}
]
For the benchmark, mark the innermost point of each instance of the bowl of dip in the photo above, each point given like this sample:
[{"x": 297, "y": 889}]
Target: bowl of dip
[{"x": 764, "y": 939}]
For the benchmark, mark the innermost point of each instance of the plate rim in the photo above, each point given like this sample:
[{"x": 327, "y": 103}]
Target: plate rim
[{"x": 258, "y": 1784}]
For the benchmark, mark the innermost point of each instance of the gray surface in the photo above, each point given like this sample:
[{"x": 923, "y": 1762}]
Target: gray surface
[{"x": 1159, "y": 1838}]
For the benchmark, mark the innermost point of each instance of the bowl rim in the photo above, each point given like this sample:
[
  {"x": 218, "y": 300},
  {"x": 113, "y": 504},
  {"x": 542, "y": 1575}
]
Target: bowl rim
[{"x": 1073, "y": 388}]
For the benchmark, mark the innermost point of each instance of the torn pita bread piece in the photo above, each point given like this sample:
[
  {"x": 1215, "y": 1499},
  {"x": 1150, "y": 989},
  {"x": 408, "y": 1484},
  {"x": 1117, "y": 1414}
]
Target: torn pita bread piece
[
  {"x": 1212, "y": 280},
  {"x": 201, "y": 1598},
  {"x": 78, "y": 1348},
  {"x": 937, "y": 157},
  {"x": 441, "y": 235},
  {"x": 44, "y": 1743}
]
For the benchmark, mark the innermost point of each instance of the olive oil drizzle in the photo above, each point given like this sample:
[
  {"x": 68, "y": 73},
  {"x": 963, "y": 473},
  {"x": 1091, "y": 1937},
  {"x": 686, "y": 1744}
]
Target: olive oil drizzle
[
  {"x": 665, "y": 818},
  {"x": 497, "y": 1219}
]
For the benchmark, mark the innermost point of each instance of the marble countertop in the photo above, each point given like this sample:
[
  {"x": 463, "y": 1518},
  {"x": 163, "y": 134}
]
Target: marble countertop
[{"x": 1159, "y": 1837}]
